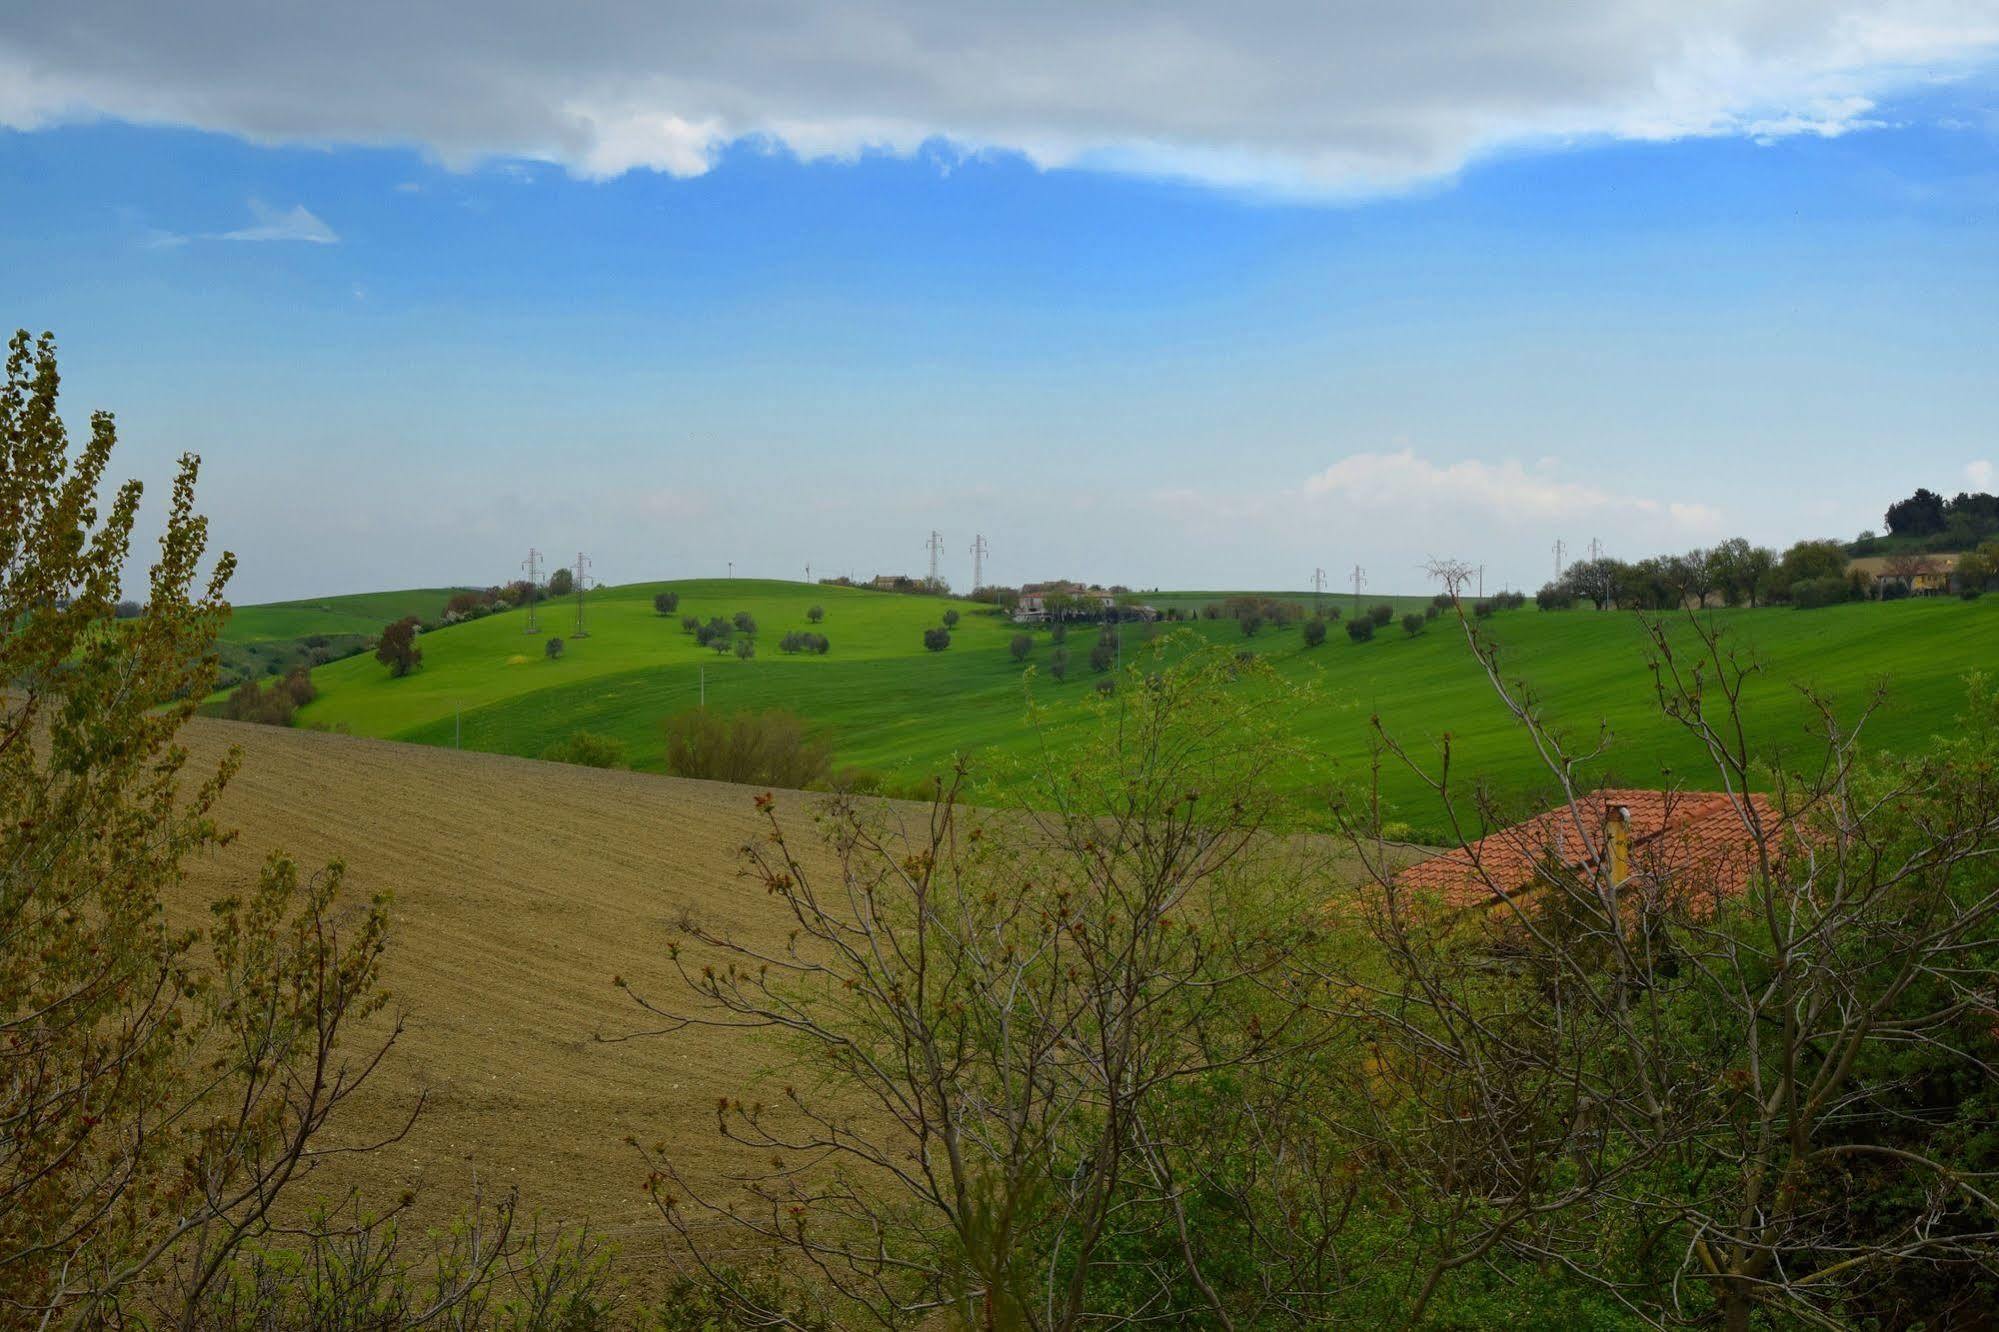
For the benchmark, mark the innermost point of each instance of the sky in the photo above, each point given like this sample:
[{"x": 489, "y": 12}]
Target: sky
[{"x": 1163, "y": 294}]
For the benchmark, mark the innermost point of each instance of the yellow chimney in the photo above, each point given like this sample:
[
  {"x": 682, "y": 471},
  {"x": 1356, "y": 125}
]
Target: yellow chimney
[{"x": 1618, "y": 830}]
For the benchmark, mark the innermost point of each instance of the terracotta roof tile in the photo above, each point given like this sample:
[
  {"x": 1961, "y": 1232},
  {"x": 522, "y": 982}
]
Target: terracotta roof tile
[{"x": 1698, "y": 841}]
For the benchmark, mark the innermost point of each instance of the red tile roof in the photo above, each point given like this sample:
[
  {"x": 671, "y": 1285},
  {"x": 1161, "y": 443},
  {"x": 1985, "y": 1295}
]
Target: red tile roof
[{"x": 1698, "y": 841}]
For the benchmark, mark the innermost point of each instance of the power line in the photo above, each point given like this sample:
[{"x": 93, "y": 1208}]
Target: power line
[{"x": 533, "y": 565}]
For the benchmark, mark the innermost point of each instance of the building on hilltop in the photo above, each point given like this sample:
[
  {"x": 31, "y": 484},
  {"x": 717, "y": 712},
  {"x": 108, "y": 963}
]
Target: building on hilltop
[
  {"x": 1699, "y": 846},
  {"x": 1910, "y": 575}
]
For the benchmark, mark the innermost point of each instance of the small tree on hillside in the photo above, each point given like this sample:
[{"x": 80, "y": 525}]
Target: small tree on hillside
[
  {"x": 746, "y": 648},
  {"x": 1250, "y": 624},
  {"x": 1058, "y": 663},
  {"x": 1361, "y": 628},
  {"x": 951, "y": 619},
  {"x": 552, "y": 648},
  {"x": 397, "y": 647},
  {"x": 1381, "y": 614},
  {"x": 1412, "y": 623},
  {"x": 745, "y": 623},
  {"x": 690, "y": 624},
  {"x": 815, "y": 614},
  {"x": 1021, "y": 645},
  {"x": 1313, "y": 632},
  {"x": 562, "y": 582},
  {"x": 937, "y": 639},
  {"x": 666, "y": 603}
]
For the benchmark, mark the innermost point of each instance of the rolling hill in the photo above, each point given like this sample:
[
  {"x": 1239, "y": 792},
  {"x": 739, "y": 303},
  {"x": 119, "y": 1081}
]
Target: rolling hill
[{"x": 901, "y": 712}]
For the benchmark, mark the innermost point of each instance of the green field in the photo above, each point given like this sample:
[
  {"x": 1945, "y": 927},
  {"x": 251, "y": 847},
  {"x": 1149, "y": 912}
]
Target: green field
[
  {"x": 1190, "y": 603},
  {"x": 270, "y": 639},
  {"x": 895, "y": 709}
]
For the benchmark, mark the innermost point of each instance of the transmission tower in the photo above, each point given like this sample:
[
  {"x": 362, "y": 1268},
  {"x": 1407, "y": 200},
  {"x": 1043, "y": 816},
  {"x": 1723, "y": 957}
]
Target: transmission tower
[
  {"x": 808, "y": 572},
  {"x": 936, "y": 548},
  {"x": 1595, "y": 549},
  {"x": 533, "y": 565},
  {"x": 979, "y": 552},
  {"x": 1359, "y": 582},
  {"x": 1560, "y": 550},
  {"x": 582, "y": 579},
  {"x": 1318, "y": 587}
]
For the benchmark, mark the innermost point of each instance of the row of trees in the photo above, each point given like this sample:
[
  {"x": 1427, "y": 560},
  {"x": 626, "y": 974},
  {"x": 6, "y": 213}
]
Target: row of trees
[
  {"x": 1928, "y": 521},
  {"x": 1736, "y": 571}
]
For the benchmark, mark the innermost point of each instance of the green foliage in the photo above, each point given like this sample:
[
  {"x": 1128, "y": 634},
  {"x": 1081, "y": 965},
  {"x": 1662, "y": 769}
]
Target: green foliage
[
  {"x": 951, "y": 619},
  {"x": 553, "y": 648},
  {"x": 561, "y": 583},
  {"x": 587, "y": 749},
  {"x": 1814, "y": 593},
  {"x": 1020, "y": 646},
  {"x": 815, "y": 613},
  {"x": 771, "y": 748},
  {"x": 937, "y": 638},
  {"x": 1381, "y": 614},
  {"x": 1413, "y": 622},
  {"x": 667, "y": 602},
  {"x": 1314, "y": 632},
  {"x": 1361, "y": 628}
]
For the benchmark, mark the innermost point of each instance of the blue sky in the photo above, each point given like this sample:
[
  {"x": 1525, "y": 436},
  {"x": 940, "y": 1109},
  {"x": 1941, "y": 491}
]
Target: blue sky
[{"x": 403, "y": 365}]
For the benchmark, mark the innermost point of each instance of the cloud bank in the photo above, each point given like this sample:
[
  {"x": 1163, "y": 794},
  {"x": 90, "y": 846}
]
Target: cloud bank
[{"x": 1316, "y": 97}]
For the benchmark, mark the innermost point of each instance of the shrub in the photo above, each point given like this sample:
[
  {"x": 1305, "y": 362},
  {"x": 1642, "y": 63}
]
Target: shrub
[
  {"x": 1812, "y": 593},
  {"x": 1249, "y": 624},
  {"x": 1331, "y": 614},
  {"x": 1103, "y": 653},
  {"x": 745, "y": 623},
  {"x": 1314, "y": 632},
  {"x": 1058, "y": 663},
  {"x": 1482, "y": 609},
  {"x": 715, "y": 634},
  {"x": 816, "y": 614},
  {"x": 937, "y": 639},
  {"x": 1361, "y": 630},
  {"x": 1413, "y": 622},
  {"x": 587, "y": 749},
  {"x": 817, "y": 644},
  {"x": 773, "y": 748},
  {"x": 553, "y": 648},
  {"x": 1058, "y": 631},
  {"x": 1432, "y": 611},
  {"x": 950, "y": 619},
  {"x": 1381, "y": 614},
  {"x": 251, "y": 702},
  {"x": 1554, "y": 596},
  {"x": 746, "y": 648},
  {"x": 561, "y": 583},
  {"x": 689, "y": 623},
  {"x": 1021, "y": 645},
  {"x": 397, "y": 647},
  {"x": 666, "y": 603},
  {"x": 1107, "y": 685}
]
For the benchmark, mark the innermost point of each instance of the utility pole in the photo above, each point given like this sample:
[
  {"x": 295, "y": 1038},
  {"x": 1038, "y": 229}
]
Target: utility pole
[
  {"x": 808, "y": 571},
  {"x": 533, "y": 565},
  {"x": 1481, "y": 582},
  {"x": 936, "y": 547},
  {"x": 1560, "y": 550},
  {"x": 1595, "y": 549},
  {"x": 582, "y": 577},
  {"x": 979, "y": 552},
  {"x": 732, "y": 568},
  {"x": 1359, "y": 582},
  {"x": 1318, "y": 588}
]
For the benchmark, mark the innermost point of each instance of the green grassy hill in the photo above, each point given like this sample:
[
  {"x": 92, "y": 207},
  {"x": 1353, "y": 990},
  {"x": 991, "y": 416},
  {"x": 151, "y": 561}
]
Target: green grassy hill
[
  {"x": 901, "y": 711},
  {"x": 1190, "y": 603},
  {"x": 273, "y": 637}
]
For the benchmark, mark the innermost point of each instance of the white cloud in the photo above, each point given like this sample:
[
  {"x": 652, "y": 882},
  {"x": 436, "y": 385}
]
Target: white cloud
[
  {"x": 1979, "y": 473},
  {"x": 1319, "y": 97},
  {"x": 271, "y": 224},
  {"x": 1508, "y": 490}
]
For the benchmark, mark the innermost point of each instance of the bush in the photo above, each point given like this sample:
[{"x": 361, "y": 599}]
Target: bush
[
  {"x": 1413, "y": 622},
  {"x": 587, "y": 749},
  {"x": 950, "y": 619},
  {"x": 1314, "y": 632},
  {"x": 1058, "y": 632},
  {"x": 1107, "y": 685},
  {"x": 1482, "y": 609},
  {"x": 666, "y": 603},
  {"x": 552, "y": 648},
  {"x": 1381, "y": 614},
  {"x": 1058, "y": 663},
  {"x": 1432, "y": 611},
  {"x": 1361, "y": 630},
  {"x": 1021, "y": 645},
  {"x": 1249, "y": 624},
  {"x": 745, "y": 648},
  {"x": 1554, "y": 597},
  {"x": 397, "y": 647},
  {"x": 773, "y": 748},
  {"x": 689, "y": 623},
  {"x": 251, "y": 702},
  {"x": 815, "y": 614},
  {"x": 745, "y": 623},
  {"x": 715, "y": 634},
  {"x": 1103, "y": 653},
  {"x": 1813, "y": 593},
  {"x": 561, "y": 583},
  {"x": 937, "y": 639},
  {"x": 1331, "y": 614}
]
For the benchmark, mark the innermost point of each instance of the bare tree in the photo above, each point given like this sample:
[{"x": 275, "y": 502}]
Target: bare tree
[{"x": 1026, "y": 1039}]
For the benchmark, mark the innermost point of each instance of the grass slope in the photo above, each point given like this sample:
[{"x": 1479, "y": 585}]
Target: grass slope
[
  {"x": 894, "y": 708},
  {"x": 356, "y": 613}
]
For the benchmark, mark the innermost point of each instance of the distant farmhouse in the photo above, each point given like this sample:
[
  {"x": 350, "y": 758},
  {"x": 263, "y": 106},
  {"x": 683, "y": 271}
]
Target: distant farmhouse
[
  {"x": 1909, "y": 575},
  {"x": 1040, "y": 602}
]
